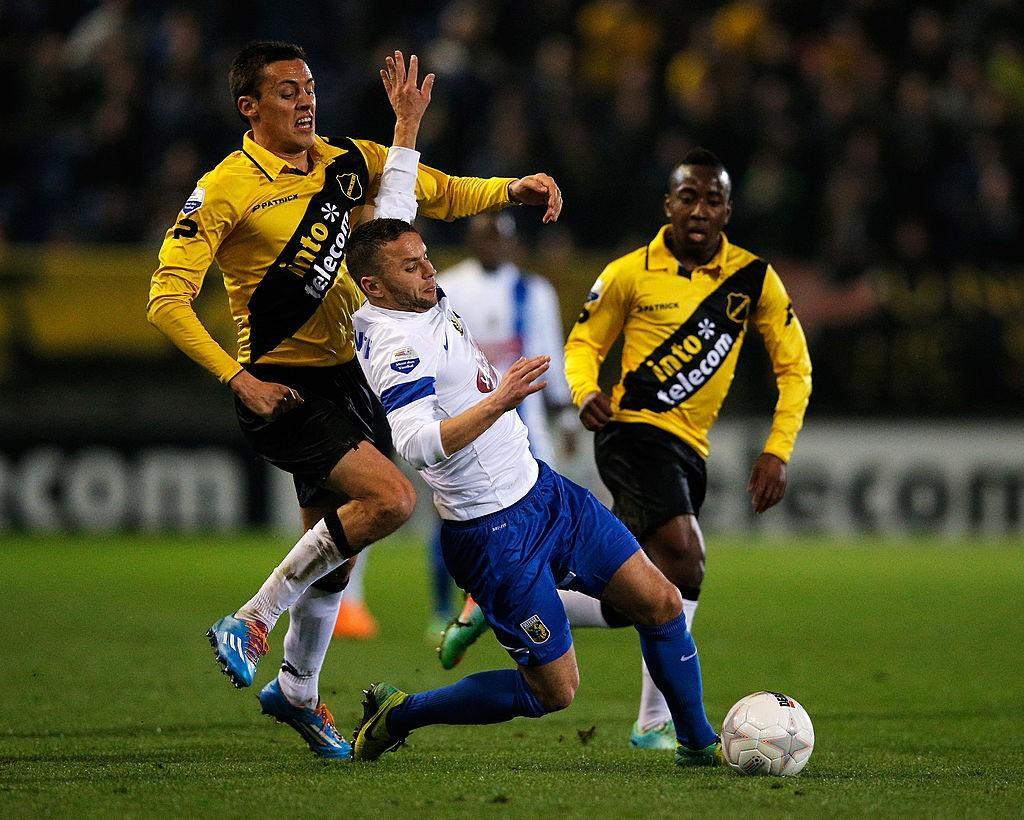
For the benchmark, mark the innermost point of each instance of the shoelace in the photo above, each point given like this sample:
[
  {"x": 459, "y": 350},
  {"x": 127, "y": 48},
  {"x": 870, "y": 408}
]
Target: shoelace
[
  {"x": 256, "y": 645},
  {"x": 325, "y": 715}
]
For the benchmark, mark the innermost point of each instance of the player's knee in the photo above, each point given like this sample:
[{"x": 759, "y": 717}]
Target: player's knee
[
  {"x": 662, "y": 603},
  {"x": 558, "y": 696},
  {"x": 394, "y": 503}
]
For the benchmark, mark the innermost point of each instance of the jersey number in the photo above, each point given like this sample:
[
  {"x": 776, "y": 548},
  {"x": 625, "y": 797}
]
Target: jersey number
[{"x": 186, "y": 228}]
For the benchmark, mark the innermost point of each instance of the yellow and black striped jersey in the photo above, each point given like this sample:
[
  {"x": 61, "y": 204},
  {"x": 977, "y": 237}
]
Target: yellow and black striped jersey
[
  {"x": 683, "y": 334},
  {"x": 279, "y": 235}
]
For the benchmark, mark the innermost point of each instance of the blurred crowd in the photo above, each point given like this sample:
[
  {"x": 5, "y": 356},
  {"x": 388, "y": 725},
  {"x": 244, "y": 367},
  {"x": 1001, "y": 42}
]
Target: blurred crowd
[{"x": 857, "y": 132}]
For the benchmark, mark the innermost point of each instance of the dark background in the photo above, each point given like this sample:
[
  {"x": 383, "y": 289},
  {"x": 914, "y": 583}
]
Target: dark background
[{"x": 876, "y": 150}]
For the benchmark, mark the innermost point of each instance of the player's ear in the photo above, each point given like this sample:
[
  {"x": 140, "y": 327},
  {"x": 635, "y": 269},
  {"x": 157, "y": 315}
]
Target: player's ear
[
  {"x": 371, "y": 286},
  {"x": 668, "y": 212},
  {"x": 728, "y": 212},
  {"x": 248, "y": 107}
]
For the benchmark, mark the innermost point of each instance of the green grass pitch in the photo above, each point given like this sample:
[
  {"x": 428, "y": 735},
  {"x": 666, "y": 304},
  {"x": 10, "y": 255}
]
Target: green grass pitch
[{"x": 906, "y": 655}]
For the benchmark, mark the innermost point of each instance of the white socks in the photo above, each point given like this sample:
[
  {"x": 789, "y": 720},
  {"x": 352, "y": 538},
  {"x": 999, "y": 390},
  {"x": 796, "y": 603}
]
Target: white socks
[
  {"x": 310, "y": 626},
  {"x": 354, "y": 592},
  {"x": 582, "y": 610},
  {"x": 689, "y": 610},
  {"x": 311, "y": 558},
  {"x": 653, "y": 706}
]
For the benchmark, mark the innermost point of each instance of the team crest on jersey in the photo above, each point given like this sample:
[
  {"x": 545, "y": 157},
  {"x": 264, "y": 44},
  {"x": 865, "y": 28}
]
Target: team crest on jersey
[
  {"x": 487, "y": 380},
  {"x": 350, "y": 185},
  {"x": 737, "y": 307},
  {"x": 195, "y": 201},
  {"x": 404, "y": 360},
  {"x": 535, "y": 629}
]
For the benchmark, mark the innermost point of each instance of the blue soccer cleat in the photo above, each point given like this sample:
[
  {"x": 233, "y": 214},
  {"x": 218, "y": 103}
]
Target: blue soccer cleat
[
  {"x": 661, "y": 737},
  {"x": 238, "y": 646},
  {"x": 315, "y": 725}
]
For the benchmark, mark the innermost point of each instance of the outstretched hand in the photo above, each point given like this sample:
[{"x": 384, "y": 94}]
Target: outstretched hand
[
  {"x": 407, "y": 97},
  {"x": 767, "y": 482},
  {"x": 538, "y": 189},
  {"x": 520, "y": 381}
]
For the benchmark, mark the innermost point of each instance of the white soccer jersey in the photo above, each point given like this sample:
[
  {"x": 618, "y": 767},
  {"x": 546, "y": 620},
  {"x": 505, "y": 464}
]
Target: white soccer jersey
[
  {"x": 515, "y": 313},
  {"x": 426, "y": 367}
]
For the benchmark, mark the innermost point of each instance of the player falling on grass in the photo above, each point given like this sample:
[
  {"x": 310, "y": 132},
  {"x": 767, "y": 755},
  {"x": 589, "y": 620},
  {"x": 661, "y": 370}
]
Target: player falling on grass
[
  {"x": 515, "y": 313},
  {"x": 684, "y": 302},
  {"x": 513, "y": 530},
  {"x": 276, "y": 217}
]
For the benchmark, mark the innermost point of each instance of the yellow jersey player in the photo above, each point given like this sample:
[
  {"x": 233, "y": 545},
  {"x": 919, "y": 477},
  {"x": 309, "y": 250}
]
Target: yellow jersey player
[
  {"x": 684, "y": 303},
  {"x": 276, "y": 216}
]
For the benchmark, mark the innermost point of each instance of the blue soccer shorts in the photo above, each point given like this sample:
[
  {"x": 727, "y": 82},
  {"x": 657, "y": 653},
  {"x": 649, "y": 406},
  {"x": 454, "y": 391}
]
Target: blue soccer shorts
[{"x": 514, "y": 561}]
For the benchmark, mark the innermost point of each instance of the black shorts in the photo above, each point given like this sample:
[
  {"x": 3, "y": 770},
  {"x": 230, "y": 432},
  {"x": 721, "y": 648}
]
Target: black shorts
[
  {"x": 652, "y": 475},
  {"x": 339, "y": 411}
]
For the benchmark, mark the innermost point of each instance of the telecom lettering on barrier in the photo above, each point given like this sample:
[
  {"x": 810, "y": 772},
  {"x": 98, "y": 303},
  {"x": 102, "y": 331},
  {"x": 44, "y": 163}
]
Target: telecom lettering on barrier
[{"x": 948, "y": 479}]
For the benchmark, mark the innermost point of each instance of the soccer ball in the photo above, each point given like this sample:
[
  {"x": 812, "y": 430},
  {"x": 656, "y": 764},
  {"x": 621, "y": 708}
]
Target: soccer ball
[{"x": 767, "y": 733}]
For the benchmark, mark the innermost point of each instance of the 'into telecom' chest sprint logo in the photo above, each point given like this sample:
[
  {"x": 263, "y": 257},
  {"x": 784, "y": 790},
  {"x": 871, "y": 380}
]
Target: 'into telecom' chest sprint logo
[{"x": 692, "y": 354}]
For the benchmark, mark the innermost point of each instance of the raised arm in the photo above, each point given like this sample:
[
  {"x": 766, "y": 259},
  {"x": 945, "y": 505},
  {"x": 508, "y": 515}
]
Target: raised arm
[{"x": 397, "y": 196}]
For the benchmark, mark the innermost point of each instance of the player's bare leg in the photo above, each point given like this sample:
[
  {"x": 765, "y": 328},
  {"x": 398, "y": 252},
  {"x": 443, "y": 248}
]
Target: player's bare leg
[
  {"x": 555, "y": 683},
  {"x": 381, "y": 499},
  {"x": 677, "y": 549}
]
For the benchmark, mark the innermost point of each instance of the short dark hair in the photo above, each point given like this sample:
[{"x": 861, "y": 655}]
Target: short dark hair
[
  {"x": 361, "y": 253},
  {"x": 702, "y": 156},
  {"x": 246, "y": 72}
]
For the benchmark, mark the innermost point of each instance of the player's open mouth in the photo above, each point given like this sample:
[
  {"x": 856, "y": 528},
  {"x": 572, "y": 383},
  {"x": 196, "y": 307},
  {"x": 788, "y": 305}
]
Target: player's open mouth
[
  {"x": 696, "y": 234},
  {"x": 304, "y": 124}
]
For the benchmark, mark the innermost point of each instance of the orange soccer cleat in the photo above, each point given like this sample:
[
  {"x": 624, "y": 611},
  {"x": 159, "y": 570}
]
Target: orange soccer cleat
[{"x": 355, "y": 621}]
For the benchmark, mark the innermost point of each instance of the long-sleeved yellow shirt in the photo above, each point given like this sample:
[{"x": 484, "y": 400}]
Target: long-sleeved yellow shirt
[
  {"x": 683, "y": 335},
  {"x": 278, "y": 235}
]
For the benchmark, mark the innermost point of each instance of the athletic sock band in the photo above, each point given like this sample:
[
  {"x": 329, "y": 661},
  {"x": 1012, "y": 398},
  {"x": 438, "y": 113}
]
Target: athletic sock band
[{"x": 337, "y": 532}]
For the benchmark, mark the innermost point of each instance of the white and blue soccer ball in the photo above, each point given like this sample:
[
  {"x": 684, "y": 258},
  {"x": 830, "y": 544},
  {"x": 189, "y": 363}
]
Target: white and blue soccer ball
[{"x": 767, "y": 733}]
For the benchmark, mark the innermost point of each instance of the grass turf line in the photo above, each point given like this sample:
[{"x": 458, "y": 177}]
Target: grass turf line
[{"x": 902, "y": 652}]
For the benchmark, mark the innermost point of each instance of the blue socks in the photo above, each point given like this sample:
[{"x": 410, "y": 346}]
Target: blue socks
[
  {"x": 503, "y": 694},
  {"x": 486, "y": 697},
  {"x": 671, "y": 657}
]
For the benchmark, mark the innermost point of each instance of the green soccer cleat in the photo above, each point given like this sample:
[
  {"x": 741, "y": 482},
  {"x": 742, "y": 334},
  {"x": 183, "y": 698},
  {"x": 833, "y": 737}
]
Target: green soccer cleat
[
  {"x": 371, "y": 737},
  {"x": 660, "y": 738},
  {"x": 708, "y": 756},
  {"x": 435, "y": 629},
  {"x": 461, "y": 633}
]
